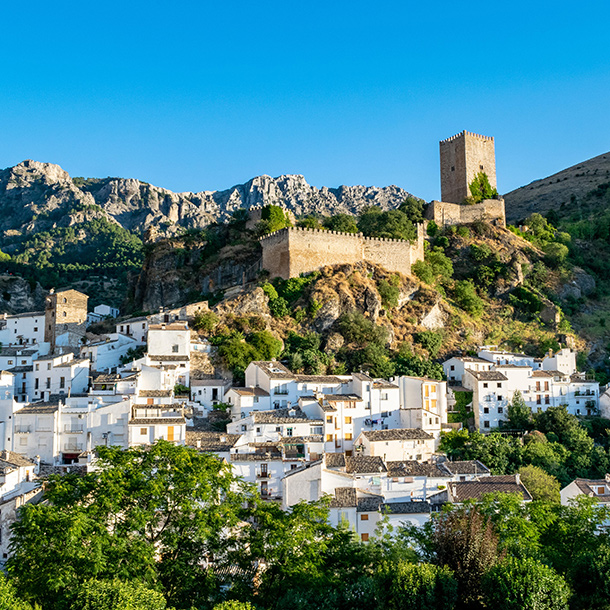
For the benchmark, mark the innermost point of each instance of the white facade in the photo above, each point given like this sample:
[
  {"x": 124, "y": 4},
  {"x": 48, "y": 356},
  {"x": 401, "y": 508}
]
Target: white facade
[
  {"x": 22, "y": 329},
  {"x": 106, "y": 355},
  {"x": 209, "y": 392},
  {"x": 134, "y": 327}
]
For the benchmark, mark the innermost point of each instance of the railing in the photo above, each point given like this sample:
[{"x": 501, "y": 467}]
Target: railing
[
  {"x": 23, "y": 429},
  {"x": 73, "y": 448},
  {"x": 262, "y": 475},
  {"x": 280, "y": 392},
  {"x": 73, "y": 429}
]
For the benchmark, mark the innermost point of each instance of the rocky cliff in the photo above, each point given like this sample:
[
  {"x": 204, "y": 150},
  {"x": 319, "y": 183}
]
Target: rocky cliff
[{"x": 38, "y": 196}]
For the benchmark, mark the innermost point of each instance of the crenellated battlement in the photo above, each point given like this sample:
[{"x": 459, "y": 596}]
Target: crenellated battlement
[
  {"x": 467, "y": 133},
  {"x": 295, "y": 250}
]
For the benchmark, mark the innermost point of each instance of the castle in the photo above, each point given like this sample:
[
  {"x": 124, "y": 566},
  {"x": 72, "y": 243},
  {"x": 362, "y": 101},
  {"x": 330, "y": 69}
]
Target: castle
[
  {"x": 289, "y": 252},
  {"x": 463, "y": 156}
]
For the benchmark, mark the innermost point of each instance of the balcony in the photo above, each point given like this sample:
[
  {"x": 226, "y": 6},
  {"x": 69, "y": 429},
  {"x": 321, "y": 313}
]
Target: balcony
[
  {"x": 73, "y": 447},
  {"x": 73, "y": 429},
  {"x": 263, "y": 475},
  {"x": 23, "y": 429},
  {"x": 280, "y": 392}
]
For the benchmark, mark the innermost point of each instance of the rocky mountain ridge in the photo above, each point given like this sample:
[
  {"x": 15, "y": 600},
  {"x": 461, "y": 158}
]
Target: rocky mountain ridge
[{"x": 37, "y": 196}]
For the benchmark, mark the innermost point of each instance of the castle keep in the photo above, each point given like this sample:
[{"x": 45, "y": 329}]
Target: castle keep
[
  {"x": 463, "y": 156},
  {"x": 289, "y": 252}
]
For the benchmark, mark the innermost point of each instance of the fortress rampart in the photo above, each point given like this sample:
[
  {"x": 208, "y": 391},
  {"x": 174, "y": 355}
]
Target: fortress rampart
[
  {"x": 445, "y": 214},
  {"x": 289, "y": 252}
]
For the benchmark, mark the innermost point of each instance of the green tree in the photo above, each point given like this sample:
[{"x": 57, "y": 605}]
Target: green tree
[
  {"x": 266, "y": 345},
  {"x": 392, "y": 224},
  {"x": 542, "y": 486},
  {"x": 481, "y": 189},
  {"x": 234, "y": 605},
  {"x": 117, "y": 595},
  {"x": 8, "y": 597},
  {"x": 389, "y": 291},
  {"x": 145, "y": 514},
  {"x": 344, "y": 223},
  {"x": 205, "y": 320},
  {"x": 419, "y": 586},
  {"x": 436, "y": 268},
  {"x": 525, "y": 584},
  {"x": 431, "y": 340},
  {"x": 413, "y": 208},
  {"x": 555, "y": 254},
  {"x": 273, "y": 218},
  {"x": 358, "y": 329},
  {"x": 519, "y": 414}
]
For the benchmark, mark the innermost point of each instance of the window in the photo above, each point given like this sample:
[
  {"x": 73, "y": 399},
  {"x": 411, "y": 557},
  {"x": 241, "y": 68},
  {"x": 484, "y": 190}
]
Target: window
[
  {"x": 452, "y": 367},
  {"x": 143, "y": 325},
  {"x": 485, "y": 424},
  {"x": 499, "y": 385},
  {"x": 243, "y": 428},
  {"x": 546, "y": 386},
  {"x": 500, "y": 410},
  {"x": 537, "y": 386},
  {"x": 329, "y": 438},
  {"x": 601, "y": 490},
  {"x": 365, "y": 517},
  {"x": 35, "y": 329},
  {"x": 538, "y": 399},
  {"x": 364, "y": 537},
  {"x": 174, "y": 349},
  {"x": 38, "y": 367},
  {"x": 486, "y": 410},
  {"x": 500, "y": 397},
  {"x": 547, "y": 400},
  {"x": 348, "y": 436},
  {"x": 482, "y": 168},
  {"x": 36, "y": 383},
  {"x": 348, "y": 420},
  {"x": 256, "y": 399},
  {"x": 48, "y": 383},
  {"x": 62, "y": 382},
  {"x": 485, "y": 385},
  {"x": 329, "y": 419},
  {"x": 10, "y": 362},
  {"x": 65, "y": 314},
  {"x": 150, "y": 401},
  {"x": 143, "y": 431},
  {"x": 48, "y": 366},
  {"x": 288, "y": 431},
  {"x": 278, "y": 428}
]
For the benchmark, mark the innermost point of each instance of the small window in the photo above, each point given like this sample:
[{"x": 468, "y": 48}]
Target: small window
[
  {"x": 348, "y": 436},
  {"x": 65, "y": 313},
  {"x": 453, "y": 168},
  {"x": 364, "y": 537},
  {"x": 485, "y": 385},
  {"x": 453, "y": 367},
  {"x": 365, "y": 517},
  {"x": 143, "y": 431},
  {"x": 485, "y": 409},
  {"x": 482, "y": 168},
  {"x": 288, "y": 431},
  {"x": 174, "y": 349},
  {"x": 500, "y": 397},
  {"x": 329, "y": 438},
  {"x": 499, "y": 385},
  {"x": 348, "y": 420},
  {"x": 329, "y": 419},
  {"x": 500, "y": 409},
  {"x": 485, "y": 424}
]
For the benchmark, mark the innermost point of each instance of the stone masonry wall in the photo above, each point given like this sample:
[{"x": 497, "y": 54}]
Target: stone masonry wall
[
  {"x": 463, "y": 156},
  {"x": 66, "y": 312},
  {"x": 290, "y": 252},
  {"x": 445, "y": 214}
]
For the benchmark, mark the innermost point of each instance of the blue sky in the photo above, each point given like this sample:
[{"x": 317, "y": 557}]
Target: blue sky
[{"x": 204, "y": 95}]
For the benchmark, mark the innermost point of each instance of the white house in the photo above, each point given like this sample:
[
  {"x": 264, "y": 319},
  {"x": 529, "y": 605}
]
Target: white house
[
  {"x": 106, "y": 354},
  {"x": 592, "y": 488},
  {"x": 23, "y": 329},
  {"x": 397, "y": 444},
  {"x": 134, "y": 327},
  {"x": 102, "y": 312},
  {"x": 209, "y": 392}
]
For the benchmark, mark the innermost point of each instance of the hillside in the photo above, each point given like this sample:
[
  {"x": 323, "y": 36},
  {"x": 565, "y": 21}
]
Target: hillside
[{"x": 559, "y": 192}]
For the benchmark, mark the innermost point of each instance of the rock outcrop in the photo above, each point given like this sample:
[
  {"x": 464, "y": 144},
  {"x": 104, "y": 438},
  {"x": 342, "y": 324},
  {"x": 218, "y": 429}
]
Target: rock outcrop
[{"x": 38, "y": 196}]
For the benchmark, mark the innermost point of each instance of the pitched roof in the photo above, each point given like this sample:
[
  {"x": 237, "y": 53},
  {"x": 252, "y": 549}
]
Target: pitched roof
[
  {"x": 364, "y": 464},
  {"x": 475, "y": 490},
  {"x": 16, "y": 351},
  {"x": 249, "y": 391},
  {"x": 397, "y": 434},
  {"x": 39, "y": 408},
  {"x": 345, "y": 497},
  {"x": 412, "y": 468},
  {"x": 342, "y": 398},
  {"x": 210, "y": 382},
  {"x": 154, "y": 393},
  {"x": 488, "y": 375},
  {"x": 541, "y": 374},
  {"x": 368, "y": 502},
  {"x": 169, "y": 358},
  {"x": 107, "y": 378},
  {"x": 334, "y": 460},
  {"x": 211, "y": 441},
  {"x": 152, "y": 421},
  {"x": 404, "y": 508},
  {"x": 274, "y": 369},
  {"x": 466, "y": 467},
  {"x": 27, "y": 314},
  {"x": 282, "y": 416},
  {"x": 318, "y": 378}
]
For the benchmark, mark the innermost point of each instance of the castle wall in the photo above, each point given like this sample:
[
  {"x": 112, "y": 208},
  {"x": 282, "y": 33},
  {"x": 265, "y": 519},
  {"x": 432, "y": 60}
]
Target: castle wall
[
  {"x": 463, "y": 156},
  {"x": 445, "y": 214},
  {"x": 66, "y": 314},
  {"x": 290, "y": 252}
]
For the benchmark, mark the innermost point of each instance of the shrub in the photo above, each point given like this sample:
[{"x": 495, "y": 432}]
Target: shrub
[
  {"x": 205, "y": 320},
  {"x": 466, "y": 297},
  {"x": 343, "y": 223},
  {"x": 389, "y": 291},
  {"x": 481, "y": 189},
  {"x": 430, "y": 340},
  {"x": 555, "y": 254}
]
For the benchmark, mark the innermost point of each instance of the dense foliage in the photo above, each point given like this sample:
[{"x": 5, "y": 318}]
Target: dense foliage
[{"x": 168, "y": 526}]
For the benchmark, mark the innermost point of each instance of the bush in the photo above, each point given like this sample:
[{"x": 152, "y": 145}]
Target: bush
[
  {"x": 481, "y": 189},
  {"x": 355, "y": 328},
  {"x": 117, "y": 595},
  {"x": 344, "y": 223},
  {"x": 392, "y": 224},
  {"x": 430, "y": 340},
  {"x": 205, "y": 320},
  {"x": 389, "y": 291},
  {"x": 525, "y": 584},
  {"x": 466, "y": 297},
  {"x": 555, "y": 254}
]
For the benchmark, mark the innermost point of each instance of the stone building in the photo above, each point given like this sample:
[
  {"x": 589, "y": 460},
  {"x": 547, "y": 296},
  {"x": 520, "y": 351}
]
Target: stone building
[
  {"x": 65, "y": 318},
  {"x": 463, "y": 156},
  {"x": 289, "y": 252}
]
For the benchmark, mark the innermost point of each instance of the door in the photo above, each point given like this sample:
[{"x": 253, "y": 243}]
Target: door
[{"x": 170, "y": 433}]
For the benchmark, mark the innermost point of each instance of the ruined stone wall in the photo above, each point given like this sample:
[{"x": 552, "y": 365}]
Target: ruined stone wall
[
  {"x": 463, "y": 156},
  {"x": 290, "y": 252},
  {"x": 445, "y": 214}
]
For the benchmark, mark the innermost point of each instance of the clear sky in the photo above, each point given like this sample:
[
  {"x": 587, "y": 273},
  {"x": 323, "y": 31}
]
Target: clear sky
[{"x": 197, "y": 95}]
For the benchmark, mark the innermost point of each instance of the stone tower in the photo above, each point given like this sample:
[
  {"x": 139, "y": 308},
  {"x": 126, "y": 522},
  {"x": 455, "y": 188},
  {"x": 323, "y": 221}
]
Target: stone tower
[
  {"x": 463, "y": 156},
  {"x": 65, "y": 318}
]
